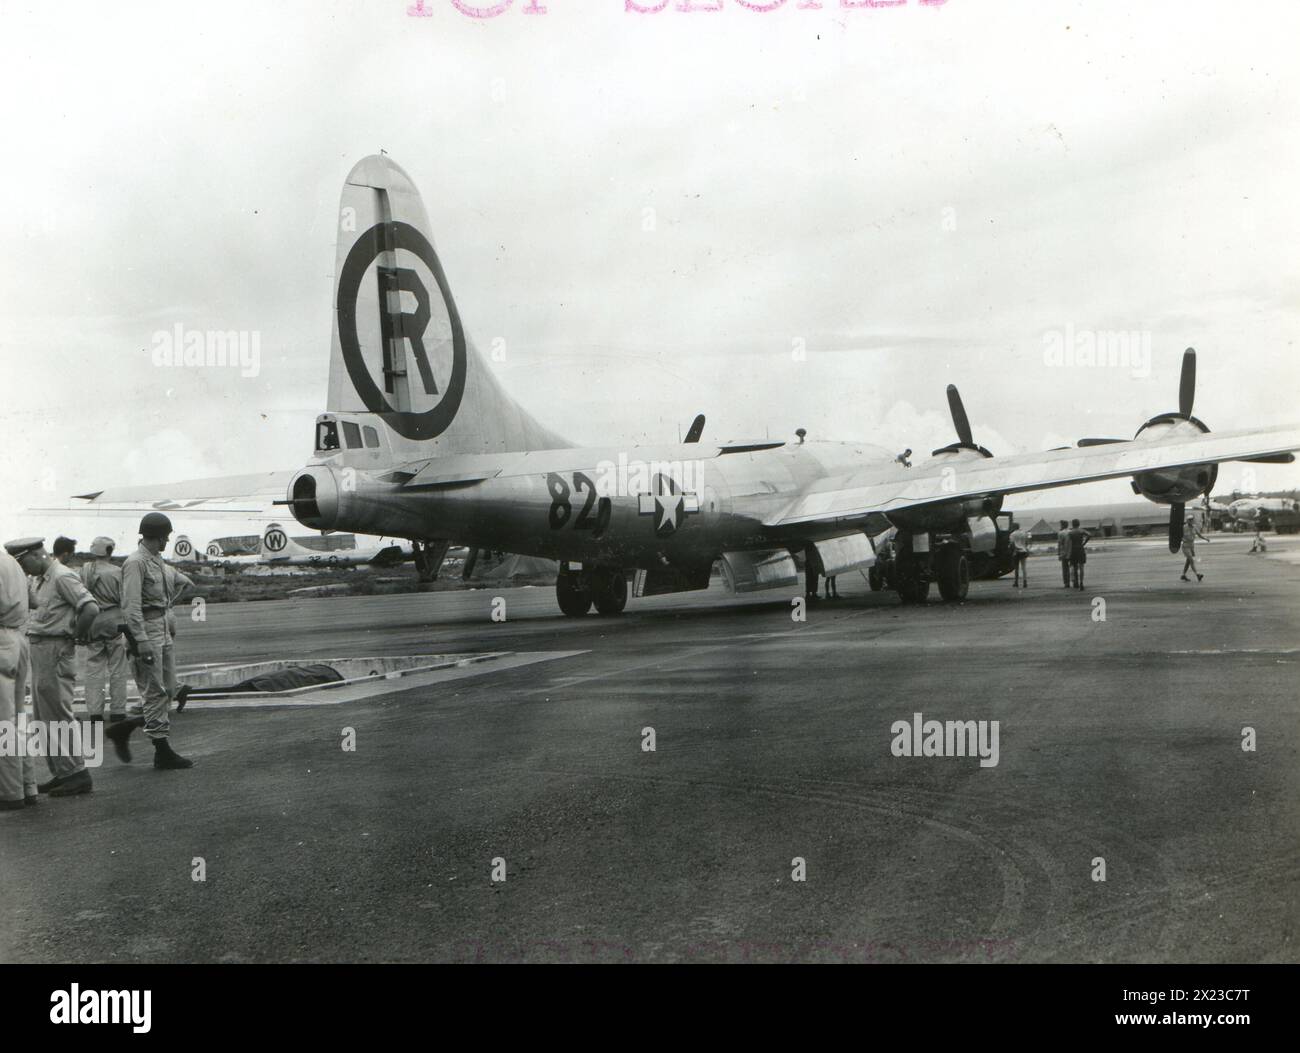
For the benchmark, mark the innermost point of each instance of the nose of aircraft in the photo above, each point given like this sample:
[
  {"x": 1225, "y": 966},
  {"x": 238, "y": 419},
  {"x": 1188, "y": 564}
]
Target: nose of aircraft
[{"x": 314, "y": 498}]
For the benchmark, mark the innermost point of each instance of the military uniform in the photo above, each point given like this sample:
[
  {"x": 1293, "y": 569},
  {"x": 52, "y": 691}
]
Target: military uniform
[
  {"x": 179, "y": 586},
  {"x": 51, "y": 630},
  {"x": 146, "y": 599},
  {"x": 17, "y": 774},
  {"x": 106, "y": 650},
  {"x": 148, "y": 589}
]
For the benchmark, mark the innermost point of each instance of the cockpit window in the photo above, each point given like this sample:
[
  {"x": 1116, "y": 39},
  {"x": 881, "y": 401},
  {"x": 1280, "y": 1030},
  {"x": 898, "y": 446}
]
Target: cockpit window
[
  {"x": 327, "y": 435},
  {"x": 352, "y": 434},
  {"x": 372, "y": 437}
]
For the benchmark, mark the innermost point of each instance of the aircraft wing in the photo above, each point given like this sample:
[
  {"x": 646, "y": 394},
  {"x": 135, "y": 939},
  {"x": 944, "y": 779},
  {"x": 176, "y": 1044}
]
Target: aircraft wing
[
  {"x": 194, "y": 492},
  {"x": 892, "y": 488}
]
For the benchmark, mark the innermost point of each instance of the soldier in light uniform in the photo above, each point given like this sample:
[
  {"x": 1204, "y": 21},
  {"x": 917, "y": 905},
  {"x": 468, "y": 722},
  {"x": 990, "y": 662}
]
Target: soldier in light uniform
[
  {"x": 179, "y": 587},
  {"x": 146, "y": 598},
  {"x": 64, "y": 613},
  {"x": 106, "y": 657},
  {"x": 17, "y": 773}
]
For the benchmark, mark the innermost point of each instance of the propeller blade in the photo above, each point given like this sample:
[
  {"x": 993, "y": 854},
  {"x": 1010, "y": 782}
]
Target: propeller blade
[
  {"x": 1187, "y": 383},
  {"x": 1175, "y": 527},
  {"x": 697, "y": 429},
  {"x": 1098, "y": 442},
  {"x": 959, "y": 419}
]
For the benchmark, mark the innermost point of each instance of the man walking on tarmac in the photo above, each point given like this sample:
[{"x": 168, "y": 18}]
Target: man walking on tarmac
[{"x": 146, "y": 598}]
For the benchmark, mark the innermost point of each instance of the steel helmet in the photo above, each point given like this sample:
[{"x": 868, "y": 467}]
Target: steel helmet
[{"x": 155, "y": 525}]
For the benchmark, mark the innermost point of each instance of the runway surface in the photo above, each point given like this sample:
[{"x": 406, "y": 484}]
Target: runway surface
[{"x": 1119, "y": 739}]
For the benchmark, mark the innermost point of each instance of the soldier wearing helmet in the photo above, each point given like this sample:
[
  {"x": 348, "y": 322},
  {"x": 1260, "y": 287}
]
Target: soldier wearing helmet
[{"x": 146, "y": 598}]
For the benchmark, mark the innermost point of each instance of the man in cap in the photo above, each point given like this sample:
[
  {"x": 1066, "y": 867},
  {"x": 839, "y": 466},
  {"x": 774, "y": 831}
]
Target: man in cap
[
  {"x": 17, "y": 772},
  {"x": 64, "y": 613},
  {"x": 146, "y": 598},
  {"x": 106, "y": 649}
]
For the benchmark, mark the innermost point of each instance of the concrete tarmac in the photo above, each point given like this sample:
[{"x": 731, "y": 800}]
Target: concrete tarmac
[{"x": 1120, "y": 740}]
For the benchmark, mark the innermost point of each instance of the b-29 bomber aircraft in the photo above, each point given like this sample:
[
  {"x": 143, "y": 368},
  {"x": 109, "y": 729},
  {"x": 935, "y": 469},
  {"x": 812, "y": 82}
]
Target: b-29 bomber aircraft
[{"x": 420, "y": 441}]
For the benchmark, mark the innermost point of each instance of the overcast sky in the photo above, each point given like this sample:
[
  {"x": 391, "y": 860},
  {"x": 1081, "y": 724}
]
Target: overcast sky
[{"x": 919, "y": 194}]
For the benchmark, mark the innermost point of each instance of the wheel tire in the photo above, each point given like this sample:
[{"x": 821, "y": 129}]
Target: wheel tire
[
  {"x": 611, "y": 595},
  {"x": 954, "y": 575},
  {"x": 909, "y": 582},
  {"x": 875, "y": 578},
  {"x": 574, "y": 600},
  {"x": 914, "y": 591}
]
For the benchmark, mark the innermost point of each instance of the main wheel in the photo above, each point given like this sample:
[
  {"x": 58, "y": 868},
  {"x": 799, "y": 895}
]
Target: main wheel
[
  {"x": 954, "y": 574},
  {"x": 908, "y": 581},
  {"x": 875, "y": 578},
  {"x": 610, "y": 594},
  {"x": 574, "y": 600}
]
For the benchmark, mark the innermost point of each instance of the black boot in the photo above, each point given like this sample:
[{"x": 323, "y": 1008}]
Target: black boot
[
  {"x": 165, "y": 757},
  {"x": 50, "y": 784},
  {"x": 119, "y": 733},
  {"x": 78, "y": 782}
]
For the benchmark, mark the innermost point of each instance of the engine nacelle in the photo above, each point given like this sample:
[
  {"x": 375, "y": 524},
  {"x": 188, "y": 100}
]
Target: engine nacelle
[
  {"x": 951, "y": 516},
  {"x": 1174, "y": 486}
]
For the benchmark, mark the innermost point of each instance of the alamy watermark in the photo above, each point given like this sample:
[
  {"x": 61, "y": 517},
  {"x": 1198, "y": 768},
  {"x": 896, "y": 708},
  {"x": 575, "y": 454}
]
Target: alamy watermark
[
  {"x": 629, "y": 477},
  {"x": 53, "y": 738},
  {"x": 919, "y": 737},
  {"x": 209, "y": 348},
  {"x": 1072, "y": 348}
]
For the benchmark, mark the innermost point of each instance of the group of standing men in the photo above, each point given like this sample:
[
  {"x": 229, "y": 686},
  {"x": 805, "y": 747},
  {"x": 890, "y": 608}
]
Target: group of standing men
[
  {"x": 1072, "y": 550},
  {"x": 46, "y": 609}
]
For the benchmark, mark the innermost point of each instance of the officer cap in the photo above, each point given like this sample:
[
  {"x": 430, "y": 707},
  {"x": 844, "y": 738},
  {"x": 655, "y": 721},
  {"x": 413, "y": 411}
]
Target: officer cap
[
  {"x": 24, "y": 545},
  {"x": 155, "y": 525}
]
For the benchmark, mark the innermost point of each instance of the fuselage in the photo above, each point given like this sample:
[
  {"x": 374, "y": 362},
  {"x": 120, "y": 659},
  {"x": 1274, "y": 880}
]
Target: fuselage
[{"x": 630, "y": 507}]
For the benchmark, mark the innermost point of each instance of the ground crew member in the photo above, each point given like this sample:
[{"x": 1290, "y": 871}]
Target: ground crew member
[
  {"x": 64, "y": 613},
  {"x": 812, "y": 566},
  {"x": 1078, "y": 552},
  {"x": 106, "y": 657},
  {"x": 1063, "y": 552},
  {"x": 146, "y": 597},
  {"x": 832, "y": 589},
  {"x": 17, "y": 773},
  {"x": 1190, "y": 533},
  {"x": 1020, "y": 550}
]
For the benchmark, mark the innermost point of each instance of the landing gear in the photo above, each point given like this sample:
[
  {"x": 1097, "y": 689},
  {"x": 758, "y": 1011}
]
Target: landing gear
[
  {"x": 572, "y": 593},
  {"x": 953, "y": 573},
  {"x": 876, "y": 578},
  {"x": 609, "y": 590},
  {"x": 909, "y": 579},
  {"x": 428, "y": 557}
]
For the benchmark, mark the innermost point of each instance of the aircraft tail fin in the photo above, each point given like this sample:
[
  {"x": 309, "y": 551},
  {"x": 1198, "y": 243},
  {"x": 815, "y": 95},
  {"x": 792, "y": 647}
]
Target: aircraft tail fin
[
  {"x": 401, "y": 362},
  {"x": 277, "y": 544}
]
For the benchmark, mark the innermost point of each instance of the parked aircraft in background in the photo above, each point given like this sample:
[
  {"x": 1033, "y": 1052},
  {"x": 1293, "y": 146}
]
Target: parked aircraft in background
[
  {"x": 1262, "y": 513},
  {"x": 278, "y": 547}
]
